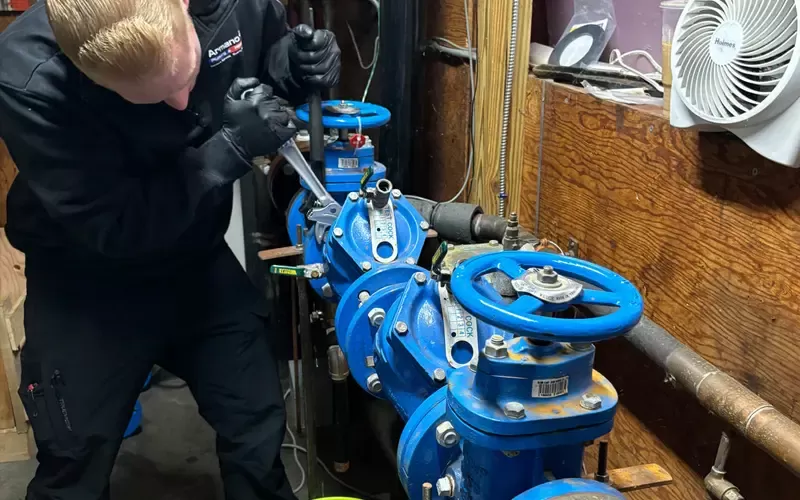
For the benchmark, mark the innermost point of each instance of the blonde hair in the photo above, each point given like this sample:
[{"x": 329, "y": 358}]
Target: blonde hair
[{"x": 118, "y": 39}]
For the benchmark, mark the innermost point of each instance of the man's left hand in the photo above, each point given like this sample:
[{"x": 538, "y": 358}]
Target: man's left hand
[{"x": 314, "y": 58}]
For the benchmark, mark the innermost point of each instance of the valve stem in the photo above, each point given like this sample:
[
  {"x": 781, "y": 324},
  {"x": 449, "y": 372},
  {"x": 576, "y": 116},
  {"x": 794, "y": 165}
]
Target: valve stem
[{"x": 511, "y": 236}]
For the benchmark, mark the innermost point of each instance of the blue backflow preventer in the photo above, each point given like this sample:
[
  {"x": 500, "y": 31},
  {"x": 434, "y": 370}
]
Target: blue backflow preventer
[
  {"x": 485, "y": 358},
  {"x": 505, "y": 420}
]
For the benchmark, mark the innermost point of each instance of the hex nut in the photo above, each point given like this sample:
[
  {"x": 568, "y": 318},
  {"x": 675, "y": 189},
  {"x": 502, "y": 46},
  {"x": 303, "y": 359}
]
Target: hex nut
[
  {"x": 338, "y": 232},
  {"x": 494, "y": 350},
  {"x": 439, "y": 375},
  {"x": 327, "y": 291},
  {"x": 366, "y": 266},
  {"x": 591, "y": 402},
  {"x": 374, "y": 384},
  {"x": 363, "y": 295},
  {"x": 445, "y": 486},
  {"x": 548, "y": 275},
  {"x": 420, "y": 278},
  {"x": 396, "y": 193},
  {"x": 401, "y": 328},
  {"x": 424, "y": 225},
  {"x": 411, "y": 261},
  {"x": 376, "y": 316},
  {"x": 353, "y": 196},
  {"x": 446, "y": 435},
  {"x": 514, "y": 410}
]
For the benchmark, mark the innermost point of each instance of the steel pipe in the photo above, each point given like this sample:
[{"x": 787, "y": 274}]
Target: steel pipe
[{"x": 752, "y": 416}]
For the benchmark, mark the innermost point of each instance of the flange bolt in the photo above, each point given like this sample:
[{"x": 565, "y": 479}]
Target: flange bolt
[
  {"x": 446, "y": 435},
  {"x": 376, "y": 316},
  {"x": 445, "y": 486},
  {"x": 591, "y": 402},
  {"x": 374, "y": 384},
  {"x": 514, "y": 410}
]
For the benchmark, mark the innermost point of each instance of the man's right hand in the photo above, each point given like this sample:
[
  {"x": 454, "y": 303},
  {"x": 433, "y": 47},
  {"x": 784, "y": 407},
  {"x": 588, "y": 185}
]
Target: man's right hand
[{"x": 253, "y": 120}]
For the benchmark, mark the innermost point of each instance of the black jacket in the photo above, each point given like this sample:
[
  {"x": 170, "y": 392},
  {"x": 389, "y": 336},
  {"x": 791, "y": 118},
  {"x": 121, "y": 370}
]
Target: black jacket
[{"x": 110, "y": 183}]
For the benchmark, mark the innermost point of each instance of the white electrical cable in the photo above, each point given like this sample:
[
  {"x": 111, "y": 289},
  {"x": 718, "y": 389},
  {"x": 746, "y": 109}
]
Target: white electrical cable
[
  {"x": 358, "y": 52},
  {"x": 617, "y": 57},
  {"x": 449, "y": 42},
  {"x": 376, "y": 56},
  {"x": 296, "y": 447},
  {"x": 471, "y": 132}
]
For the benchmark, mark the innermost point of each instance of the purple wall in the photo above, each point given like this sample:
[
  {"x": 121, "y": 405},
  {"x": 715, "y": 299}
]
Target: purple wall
[{"x": 638, "y": 25}]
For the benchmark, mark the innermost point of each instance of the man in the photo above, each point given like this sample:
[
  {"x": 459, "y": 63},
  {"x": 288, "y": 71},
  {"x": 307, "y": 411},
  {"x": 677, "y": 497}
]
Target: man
[{"x": 129, "y": 121}]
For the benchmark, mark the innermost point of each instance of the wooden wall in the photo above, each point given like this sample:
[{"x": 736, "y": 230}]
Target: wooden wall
[
  {"x": 709, "y": 231},
  {"x": 704, "y": 226},
  {"x": 7, "y": 169}
]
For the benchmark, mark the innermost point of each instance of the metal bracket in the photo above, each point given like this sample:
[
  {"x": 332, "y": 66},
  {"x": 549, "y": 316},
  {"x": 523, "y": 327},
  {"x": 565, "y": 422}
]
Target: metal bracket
[
  {"x": 383, "y": 230},
  {"x": 560, "y": 291},
  {"x": 459, "y": 326},
  {"x": 573, "y": 248}
]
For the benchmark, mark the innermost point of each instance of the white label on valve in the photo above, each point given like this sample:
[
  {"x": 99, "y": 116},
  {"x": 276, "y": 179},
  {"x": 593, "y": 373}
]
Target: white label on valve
[
  {"x": 551, "y": 387},
  {"x": 459, "y": 326},
  {"x": 383, "y": 233},
  {"x": 348, "y": 162}
]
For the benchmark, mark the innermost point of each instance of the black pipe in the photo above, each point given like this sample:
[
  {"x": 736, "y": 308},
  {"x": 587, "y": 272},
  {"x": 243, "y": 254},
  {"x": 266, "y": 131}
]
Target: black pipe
[
  {"x": 464, "y": 222},
  {"x": 399, "y": 59},
  {"x": 304, "y": 34}
]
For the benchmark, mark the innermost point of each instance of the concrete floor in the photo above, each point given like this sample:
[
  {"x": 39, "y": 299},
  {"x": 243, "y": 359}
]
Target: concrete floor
[{"x": 172, "y": 459}]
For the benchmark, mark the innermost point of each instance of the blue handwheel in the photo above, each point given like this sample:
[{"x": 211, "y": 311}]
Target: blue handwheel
[
  {"x": 523, "y": 315},
  {"x": 348, "y": 114}
]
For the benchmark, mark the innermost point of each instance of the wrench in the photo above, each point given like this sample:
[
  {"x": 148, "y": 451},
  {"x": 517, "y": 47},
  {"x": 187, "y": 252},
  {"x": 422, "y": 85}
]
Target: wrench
[{"x": 325, "y": 215}]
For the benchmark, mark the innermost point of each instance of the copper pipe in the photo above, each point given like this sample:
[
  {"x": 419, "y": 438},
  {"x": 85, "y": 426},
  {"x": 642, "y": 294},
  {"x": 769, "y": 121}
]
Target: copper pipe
[{"x": 752, "y": 416}]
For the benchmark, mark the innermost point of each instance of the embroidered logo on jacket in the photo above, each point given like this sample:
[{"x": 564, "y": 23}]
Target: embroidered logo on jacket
[{"x": 232, "y": 47}]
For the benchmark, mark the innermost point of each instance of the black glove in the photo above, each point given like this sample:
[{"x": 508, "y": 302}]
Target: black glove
[
  {"x": 253, "y": 120},
  {"x": 314, "y": 58}
]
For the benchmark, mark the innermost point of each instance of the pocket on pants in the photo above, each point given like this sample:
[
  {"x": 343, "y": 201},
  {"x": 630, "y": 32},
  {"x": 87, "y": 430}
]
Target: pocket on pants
[{"x": 34, "y": 400}]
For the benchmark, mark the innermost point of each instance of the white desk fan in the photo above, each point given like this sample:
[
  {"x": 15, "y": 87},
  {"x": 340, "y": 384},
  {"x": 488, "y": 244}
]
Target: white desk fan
[{"x": 735, "y": 68}]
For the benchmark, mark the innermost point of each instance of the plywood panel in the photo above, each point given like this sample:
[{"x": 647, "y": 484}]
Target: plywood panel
[
  {"x": 709, "y": 232},
  {"x": 12, "y": 290}
]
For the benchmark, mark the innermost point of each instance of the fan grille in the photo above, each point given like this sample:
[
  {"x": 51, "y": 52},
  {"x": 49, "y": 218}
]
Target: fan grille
[{"x": 732, "y": 54}]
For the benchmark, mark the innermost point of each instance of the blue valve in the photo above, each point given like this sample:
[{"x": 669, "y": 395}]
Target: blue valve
[
  {"x": 349, "y": 114},
  {"x": 523, "y": 315}
]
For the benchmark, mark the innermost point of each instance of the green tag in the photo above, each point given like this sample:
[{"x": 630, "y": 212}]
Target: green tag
[
  {"x": 366, "y": 177},
  {"x": 295, "y": 272},
  {"x": 438, "y": 257}
]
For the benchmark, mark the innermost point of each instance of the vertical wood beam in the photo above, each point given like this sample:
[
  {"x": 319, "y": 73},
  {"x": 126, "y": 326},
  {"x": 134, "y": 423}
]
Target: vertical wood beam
[{"x": 494, "y": 42}]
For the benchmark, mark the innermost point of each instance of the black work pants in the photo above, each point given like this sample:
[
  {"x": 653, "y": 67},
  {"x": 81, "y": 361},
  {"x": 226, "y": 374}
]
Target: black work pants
[{"x": 92, "y": 338}]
